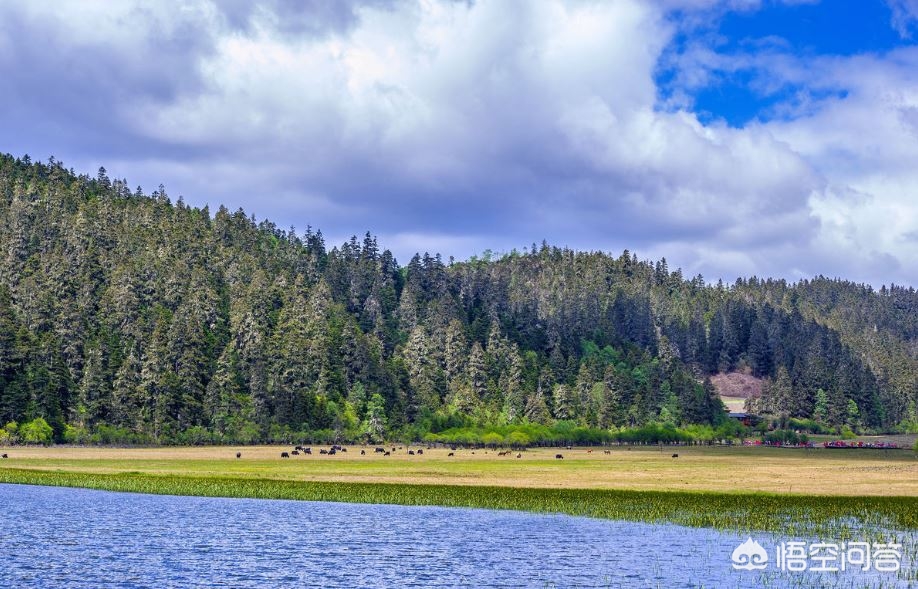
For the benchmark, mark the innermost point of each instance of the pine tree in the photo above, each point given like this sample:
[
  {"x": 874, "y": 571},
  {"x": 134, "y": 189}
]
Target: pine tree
[
  {"x": 564, "y": 405},
  {"x": 821, "y": 411},
  {"x": 514, "y": 398},
  {"x": 374, "y": 424},
  {"x": 477, "y": 373},
  {"x": 536, "y": 409}
]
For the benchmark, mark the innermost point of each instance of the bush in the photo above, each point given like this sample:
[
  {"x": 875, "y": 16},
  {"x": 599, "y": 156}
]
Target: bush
[
  {"x": 9, "y": 434},
  {"x": 76, "y": 435},
  {"x": 36, "y": 431},
  {"x": 807, "y": 425},
  {"x": 652, "y": 433},
  {"x": 195, "y": 436},
  {"x": 785, "y": 436},
  {"x": 517, "y": 440},
  {"x": 731, "y": 429},
  {"x": 109, "y": 434},
  {"x": 492, "y": 439}
]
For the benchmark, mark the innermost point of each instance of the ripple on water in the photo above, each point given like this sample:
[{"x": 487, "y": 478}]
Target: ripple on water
[{"x": 55, "y": 537}]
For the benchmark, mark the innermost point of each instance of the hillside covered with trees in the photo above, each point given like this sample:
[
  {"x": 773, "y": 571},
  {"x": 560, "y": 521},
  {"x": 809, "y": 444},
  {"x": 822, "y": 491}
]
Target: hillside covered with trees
[{"x": 127, "y": 317}]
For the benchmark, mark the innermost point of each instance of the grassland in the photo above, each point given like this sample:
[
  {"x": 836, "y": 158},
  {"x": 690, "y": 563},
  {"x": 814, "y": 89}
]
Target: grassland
[
  {"x": 718, "y": 469},
  {"x": 735, "y": 488}
]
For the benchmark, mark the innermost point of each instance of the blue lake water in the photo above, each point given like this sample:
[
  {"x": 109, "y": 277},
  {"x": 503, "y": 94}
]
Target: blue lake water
[{"x": 58, "y": 537}]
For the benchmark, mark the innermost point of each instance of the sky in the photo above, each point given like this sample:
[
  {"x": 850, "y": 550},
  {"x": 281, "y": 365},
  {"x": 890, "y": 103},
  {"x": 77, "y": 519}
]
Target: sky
[{"x": 774, "y": 138}]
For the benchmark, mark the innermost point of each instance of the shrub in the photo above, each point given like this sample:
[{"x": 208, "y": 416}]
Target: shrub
[
  {"x": 806, "y": 425},
  {"x": 492, "y": 439},
  {"x": 517, "y": 440},
  {"x": 109, "y": 434},
  {"x": 196, "y": 436},
  {"x": 75, "y": 435},
  {"x": 36, "y": 431},
  {"x": 9, "y": 434},
  {"x": 785, "y": 436}
]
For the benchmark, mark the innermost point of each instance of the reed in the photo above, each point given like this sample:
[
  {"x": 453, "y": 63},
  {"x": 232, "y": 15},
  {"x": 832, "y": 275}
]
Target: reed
[{"x": 836, "y": 516}]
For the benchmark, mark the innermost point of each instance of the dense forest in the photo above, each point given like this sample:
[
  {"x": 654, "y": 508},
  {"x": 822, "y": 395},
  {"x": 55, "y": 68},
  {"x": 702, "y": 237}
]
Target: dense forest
[{"x": 130, "y": 317}]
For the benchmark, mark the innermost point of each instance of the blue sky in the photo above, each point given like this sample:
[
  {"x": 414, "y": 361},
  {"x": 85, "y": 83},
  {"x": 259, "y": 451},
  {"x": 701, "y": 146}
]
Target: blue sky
[
  {"x": 733, "y": 137},
  {"x": 806, "y": 29}
]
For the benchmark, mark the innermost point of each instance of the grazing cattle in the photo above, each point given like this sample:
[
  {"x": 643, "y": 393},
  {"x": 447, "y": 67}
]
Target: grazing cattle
[
  {"x": 296, "y": 452},
  {"x": 393, "y": 448},
  {"x": 323, "y": 451},
  {"x": 285, "y": 455},
  {"x": 451, "y": 454},
  {"x": 675, "y": 456},
  {"x": 420, "y": 451},
  {"x": 453, "y": 448},
  {"x": 410, "y": 452},
  {"x": 387, "y": 454},
  {"x": 519, "y": 455},
  {"x": 299, "y": 448},
  {"x": 559, "y": 457},
  {"x": 589, "y": 451},
  {"x": 362, "y": 452},
  {"x": 502, "y": 453},
  {"x": 568, "y": 447},
  {"x": 344, "y": 449},
  {"x": 332, "y": 452},
  {"x": 307, "y": 451},
  {"x": 238, "y": 455},
  {"x": 606, "y": 451},
  {"x": 4, "y": 456},
  {"x": 379, "y": 450}
]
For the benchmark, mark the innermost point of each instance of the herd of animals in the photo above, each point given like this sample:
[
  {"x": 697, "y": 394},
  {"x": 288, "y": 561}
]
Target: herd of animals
[{"x": 335, "y": 448}]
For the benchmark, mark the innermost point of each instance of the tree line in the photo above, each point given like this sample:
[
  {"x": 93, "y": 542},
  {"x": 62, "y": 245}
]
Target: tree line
[{"x": 129, "y": 317}]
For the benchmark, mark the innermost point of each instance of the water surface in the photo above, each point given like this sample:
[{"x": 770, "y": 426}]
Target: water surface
[{"x": 60, "y": 537}]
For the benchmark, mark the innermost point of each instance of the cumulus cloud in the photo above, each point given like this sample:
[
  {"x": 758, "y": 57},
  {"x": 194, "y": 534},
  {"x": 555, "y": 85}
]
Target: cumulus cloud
[
  {"x": 448, "y": 126},
  {"x": 867, "y": 144},
  {"x": 904, "y": 15}
]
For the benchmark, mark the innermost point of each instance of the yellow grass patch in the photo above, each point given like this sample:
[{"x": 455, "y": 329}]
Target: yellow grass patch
[{"x": 724, "y": 469}]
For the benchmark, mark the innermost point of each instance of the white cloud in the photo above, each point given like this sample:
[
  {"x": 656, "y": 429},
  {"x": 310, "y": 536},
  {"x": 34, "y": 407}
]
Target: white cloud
[
  {"x": 866, "y": 144},
  {"x": 444, "y": 126},
  {"x": 904, "y": 15}
]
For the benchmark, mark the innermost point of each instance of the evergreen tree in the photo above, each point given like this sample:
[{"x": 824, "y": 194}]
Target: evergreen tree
[{"x": 121, "y": 309}]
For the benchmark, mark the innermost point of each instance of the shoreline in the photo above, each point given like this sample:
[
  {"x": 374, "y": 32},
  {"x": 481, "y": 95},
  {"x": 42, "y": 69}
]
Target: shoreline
[{"x": 768, "y": 512}]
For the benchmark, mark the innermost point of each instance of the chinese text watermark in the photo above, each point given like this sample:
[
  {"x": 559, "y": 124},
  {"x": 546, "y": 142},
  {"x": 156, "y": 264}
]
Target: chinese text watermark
[{"x": 800, "y": 556}]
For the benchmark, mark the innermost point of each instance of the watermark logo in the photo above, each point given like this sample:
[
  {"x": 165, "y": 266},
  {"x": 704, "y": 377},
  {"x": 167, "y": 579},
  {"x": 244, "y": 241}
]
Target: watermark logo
[
  {"x": 798, "y": 556},
  {"x": 750, "y": 556}
]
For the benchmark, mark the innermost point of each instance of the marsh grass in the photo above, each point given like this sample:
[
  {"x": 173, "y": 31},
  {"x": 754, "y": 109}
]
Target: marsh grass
[{"x": 835, "y": 516}]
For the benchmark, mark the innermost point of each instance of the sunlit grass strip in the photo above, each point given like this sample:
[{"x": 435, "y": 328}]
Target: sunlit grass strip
[{"x": 791, "y": 514}]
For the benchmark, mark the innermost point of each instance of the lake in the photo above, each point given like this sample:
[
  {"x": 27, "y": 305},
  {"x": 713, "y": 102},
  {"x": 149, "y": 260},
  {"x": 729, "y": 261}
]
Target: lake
[{"x": 62, "y": 537}]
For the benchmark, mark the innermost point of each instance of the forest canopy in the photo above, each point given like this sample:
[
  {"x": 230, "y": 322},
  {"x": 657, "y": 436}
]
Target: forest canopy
[{"x": 127, "y": 317}]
